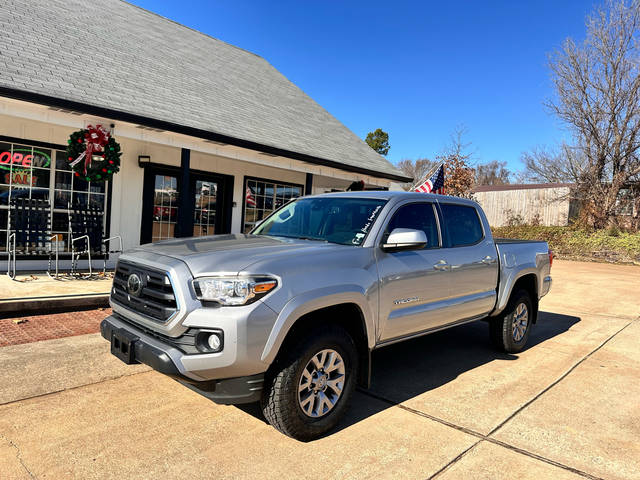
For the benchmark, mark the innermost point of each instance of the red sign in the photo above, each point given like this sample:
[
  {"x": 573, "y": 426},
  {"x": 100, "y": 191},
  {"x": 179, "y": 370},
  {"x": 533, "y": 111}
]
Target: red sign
[
  {"x": 20, "y": 177},
  {"x": 24, "y": 158}
]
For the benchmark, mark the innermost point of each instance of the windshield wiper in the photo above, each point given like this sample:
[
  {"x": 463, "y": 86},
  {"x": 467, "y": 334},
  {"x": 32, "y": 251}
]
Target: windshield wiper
[
  {"x": 316, "y": 239},
  {"x": 299, "y": 237}
]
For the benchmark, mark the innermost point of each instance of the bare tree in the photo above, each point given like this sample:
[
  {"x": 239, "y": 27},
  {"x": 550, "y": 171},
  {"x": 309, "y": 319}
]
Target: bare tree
[
  {"x": 459, "y": 176},
  {"x": 458, "y": 146},
  {"x": 597, "y": 86},
  {"x": 417, "y": 169},
  {"x": 493, "y": 173},
  {"x": 546, "y": 165}
]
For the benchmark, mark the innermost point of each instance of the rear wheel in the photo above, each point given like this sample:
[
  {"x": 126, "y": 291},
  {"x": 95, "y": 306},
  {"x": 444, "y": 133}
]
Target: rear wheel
[
  {"x": 510, "y": 331},
  {"x": 310, "y": 387}
]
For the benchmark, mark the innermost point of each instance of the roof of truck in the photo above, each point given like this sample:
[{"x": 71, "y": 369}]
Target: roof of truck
[{"x": 388, "y": 195}]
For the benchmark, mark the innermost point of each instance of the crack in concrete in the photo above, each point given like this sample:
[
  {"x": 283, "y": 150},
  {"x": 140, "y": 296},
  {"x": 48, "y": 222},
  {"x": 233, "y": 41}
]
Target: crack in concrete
[
  {"x": 454, "y": 460},
  {"x": 558, "y": 380},
  {"x": 11, "y": 402},
  {"x": 481, "y": 437},
  {"x": 18, "y": 455},
  {"x": 487, "y": 437}
]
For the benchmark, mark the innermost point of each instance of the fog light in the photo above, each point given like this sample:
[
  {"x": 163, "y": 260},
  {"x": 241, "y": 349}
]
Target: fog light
[
  {"x": 214, "y": 341},
  {"x": 209, "y": 341}
]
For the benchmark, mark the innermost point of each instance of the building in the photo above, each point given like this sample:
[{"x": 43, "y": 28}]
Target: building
[{"x": 213, "y": 137}]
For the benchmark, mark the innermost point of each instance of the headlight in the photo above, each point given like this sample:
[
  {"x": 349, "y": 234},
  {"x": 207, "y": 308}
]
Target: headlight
[{"x": 233, "y": 290}]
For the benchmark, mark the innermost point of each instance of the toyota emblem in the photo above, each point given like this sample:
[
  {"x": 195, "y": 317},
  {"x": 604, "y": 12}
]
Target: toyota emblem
[{"x": 134, "y": 284}]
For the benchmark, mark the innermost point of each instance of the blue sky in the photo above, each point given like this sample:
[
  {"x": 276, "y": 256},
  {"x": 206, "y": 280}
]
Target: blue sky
[{"x": 414, "y": 69}]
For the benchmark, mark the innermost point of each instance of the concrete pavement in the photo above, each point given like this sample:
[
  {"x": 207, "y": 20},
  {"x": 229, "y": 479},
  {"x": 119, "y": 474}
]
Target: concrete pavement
[{"x": 444, "y": 406}]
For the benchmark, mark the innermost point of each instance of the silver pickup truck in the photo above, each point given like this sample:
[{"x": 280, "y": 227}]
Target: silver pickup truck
[{"x": 289, "y": 314}]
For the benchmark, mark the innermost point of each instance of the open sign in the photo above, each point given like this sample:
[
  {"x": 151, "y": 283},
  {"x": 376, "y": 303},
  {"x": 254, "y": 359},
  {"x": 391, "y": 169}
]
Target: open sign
[{"x": 24, "y": 157}]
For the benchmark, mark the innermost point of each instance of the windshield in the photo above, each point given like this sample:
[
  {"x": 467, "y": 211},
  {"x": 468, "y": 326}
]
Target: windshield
[{"x": 346, "y": 221}]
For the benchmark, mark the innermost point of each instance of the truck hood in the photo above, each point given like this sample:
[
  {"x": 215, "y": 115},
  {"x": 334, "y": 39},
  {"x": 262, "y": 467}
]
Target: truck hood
[{"x": 231, "y": 253}]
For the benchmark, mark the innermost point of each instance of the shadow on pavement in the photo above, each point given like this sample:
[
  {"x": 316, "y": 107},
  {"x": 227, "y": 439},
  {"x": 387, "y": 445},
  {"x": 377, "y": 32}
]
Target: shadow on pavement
[{"x": 408, "y": 369}]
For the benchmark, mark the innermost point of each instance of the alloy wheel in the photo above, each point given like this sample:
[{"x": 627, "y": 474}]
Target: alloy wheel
[
  {"x": 520, "y": 322},
  {"x": 321, "y": 383}
]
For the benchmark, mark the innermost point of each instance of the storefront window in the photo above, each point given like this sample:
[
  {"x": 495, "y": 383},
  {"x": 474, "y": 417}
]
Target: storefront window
[
  {"x": 263, "y": 197},
  {"x": 33, "y": 172}
]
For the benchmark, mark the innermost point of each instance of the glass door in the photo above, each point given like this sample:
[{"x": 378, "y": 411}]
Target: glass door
[
  {"x": 165, "y": 207},
  {"x": 205, "y": 211}
]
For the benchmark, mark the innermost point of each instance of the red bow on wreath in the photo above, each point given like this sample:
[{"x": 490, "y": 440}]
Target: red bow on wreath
[{"x": 96, "y": 139}]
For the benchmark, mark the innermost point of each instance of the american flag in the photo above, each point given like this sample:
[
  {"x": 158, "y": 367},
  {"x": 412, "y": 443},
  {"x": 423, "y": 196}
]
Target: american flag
[
  {"x": 435, "y": 184},
  {"x": 250, "y": 200}
]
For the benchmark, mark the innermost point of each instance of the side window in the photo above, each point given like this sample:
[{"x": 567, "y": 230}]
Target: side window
[
  {"x": 462, "y": 224},
  {"x": 417, "y": 216}
]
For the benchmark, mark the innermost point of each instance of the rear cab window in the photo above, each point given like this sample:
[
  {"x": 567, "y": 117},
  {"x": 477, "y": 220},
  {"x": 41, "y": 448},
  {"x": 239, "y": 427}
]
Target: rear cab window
[{"x": 461, "y": 224}]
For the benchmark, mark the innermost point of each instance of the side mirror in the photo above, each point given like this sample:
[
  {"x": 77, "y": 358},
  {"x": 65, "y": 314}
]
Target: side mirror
[{"x": 405, "y": 239}]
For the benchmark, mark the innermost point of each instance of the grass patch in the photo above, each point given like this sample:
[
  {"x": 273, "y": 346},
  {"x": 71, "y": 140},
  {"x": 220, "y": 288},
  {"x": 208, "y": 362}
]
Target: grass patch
[{"x": 609, "y": 245}]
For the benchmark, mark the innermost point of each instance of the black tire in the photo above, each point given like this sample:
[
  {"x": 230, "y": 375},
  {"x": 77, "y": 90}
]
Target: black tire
[
  {"x": 501, "y": 329},
  {"x": 280, "y": 403}
]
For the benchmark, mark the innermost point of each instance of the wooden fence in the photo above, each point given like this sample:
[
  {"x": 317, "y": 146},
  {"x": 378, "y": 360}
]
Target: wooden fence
[{"x": 548, "y": 204}]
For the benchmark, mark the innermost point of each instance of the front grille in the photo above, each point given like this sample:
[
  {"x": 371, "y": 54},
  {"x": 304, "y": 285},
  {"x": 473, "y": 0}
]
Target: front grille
[{"x": 155, "y": 300}]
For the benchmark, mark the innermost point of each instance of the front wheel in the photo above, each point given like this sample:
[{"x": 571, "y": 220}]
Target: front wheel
[
  {"x": 509, "y": 332},
  {"x": 309, "y": 389}
]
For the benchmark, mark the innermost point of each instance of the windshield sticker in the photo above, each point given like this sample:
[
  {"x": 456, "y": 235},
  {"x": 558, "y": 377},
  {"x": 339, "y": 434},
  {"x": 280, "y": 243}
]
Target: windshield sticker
[
  {"x": 358, "y": 238},
  {"x": 367, "y": 226}
]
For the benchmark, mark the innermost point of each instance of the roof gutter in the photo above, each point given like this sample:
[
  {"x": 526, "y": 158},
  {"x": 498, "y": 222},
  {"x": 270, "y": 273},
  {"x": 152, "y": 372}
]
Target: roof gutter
[{"x": 185, "y": 130}]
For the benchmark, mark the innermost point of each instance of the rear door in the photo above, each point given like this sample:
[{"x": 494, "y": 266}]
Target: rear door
[
  {"x": 472, "y": 258},
  {"x": 414, "y": 284}
]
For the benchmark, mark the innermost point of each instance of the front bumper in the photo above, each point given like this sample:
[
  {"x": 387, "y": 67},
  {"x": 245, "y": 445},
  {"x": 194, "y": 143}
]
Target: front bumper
[{"x": 165, "y": 357}]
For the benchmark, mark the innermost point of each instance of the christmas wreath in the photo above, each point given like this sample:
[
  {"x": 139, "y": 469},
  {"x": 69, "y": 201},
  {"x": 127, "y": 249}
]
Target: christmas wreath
[{"x": 93, "y": 154}]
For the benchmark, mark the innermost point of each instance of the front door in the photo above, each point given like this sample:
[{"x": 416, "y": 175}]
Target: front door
[
  {"x": 165, "y": 206},
  {"x": 207, "y": 210}
]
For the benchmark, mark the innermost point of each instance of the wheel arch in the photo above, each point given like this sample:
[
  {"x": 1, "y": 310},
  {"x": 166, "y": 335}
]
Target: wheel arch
[
  {"x": 348, "y": 314},
  {"x": 529, "y": 283}
]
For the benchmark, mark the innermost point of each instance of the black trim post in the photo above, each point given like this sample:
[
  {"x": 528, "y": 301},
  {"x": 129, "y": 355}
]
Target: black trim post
[
  {"x": 148, "y": 191},
  {"x": 227, "y": 203},
  {"x": 186, "y": 199},
  {"x": 308, "y": 184}
]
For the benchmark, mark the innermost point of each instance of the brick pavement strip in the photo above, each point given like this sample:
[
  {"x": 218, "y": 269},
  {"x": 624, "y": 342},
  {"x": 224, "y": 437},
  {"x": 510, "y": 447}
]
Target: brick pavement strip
[{"x": 35, "y": 328}]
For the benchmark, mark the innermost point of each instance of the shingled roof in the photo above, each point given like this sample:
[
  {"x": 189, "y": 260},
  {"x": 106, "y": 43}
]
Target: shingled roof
[{"x": 114, "y": 59}]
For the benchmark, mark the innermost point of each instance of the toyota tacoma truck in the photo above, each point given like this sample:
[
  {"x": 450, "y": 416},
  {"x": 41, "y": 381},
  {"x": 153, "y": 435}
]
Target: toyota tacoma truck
[{"x": 289, "y": 314}]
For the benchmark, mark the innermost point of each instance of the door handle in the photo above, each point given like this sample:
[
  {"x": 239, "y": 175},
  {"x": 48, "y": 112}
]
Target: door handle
[
  {"x": 441, "y": 265},
  {"x": 488, "y": 260}
]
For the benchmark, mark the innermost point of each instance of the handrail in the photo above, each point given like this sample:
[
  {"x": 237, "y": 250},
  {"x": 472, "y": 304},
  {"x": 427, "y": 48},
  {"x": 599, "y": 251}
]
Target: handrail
[
  {"x": 9, "y": 260},
  {"x": 106, "y": 242},
  {"x": 57, "y": 250},
  {"x": 74, "y": 263}
]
